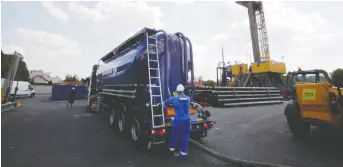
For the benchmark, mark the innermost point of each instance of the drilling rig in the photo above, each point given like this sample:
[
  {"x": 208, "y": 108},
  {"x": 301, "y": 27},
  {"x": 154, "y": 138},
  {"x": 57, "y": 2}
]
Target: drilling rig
[{"x": 263, "y": 72}]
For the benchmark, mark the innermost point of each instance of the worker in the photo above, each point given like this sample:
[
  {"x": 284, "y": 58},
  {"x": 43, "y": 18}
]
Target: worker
[
  {"x": 71, "y": 97},
  {"x": 182, "y": 122}
]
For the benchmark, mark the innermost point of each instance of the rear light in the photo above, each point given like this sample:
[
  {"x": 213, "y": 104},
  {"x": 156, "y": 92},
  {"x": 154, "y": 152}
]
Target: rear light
[
  {"x": 170, "y": 112},
  {"x": 192, "y": 111},
  {"x": 205, "y": 126},
  {"x": 93, "y": 106},
  {"x": 158, "y": 132}
]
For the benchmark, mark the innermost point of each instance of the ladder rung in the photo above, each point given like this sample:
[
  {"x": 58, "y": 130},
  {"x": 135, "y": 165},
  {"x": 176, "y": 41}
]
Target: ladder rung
[
  {"x": 152, "y": 37},
  {"x": 160, "y": 142},
  {"x": 158, "y": 115},
  {"x": 152, "y": 45},
  {"x": 154, "y": 86},
  {"x": 153, "y": 68},
  {"x": 152, "y": 53},
  {"x": 155, "y": 77},
  {"x": 153, "y": 60},
  {"x": 156, "y": 95}
]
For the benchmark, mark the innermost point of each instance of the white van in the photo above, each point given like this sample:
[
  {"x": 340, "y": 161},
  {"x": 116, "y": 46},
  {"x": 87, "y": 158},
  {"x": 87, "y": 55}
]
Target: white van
[{"x": 24, "y": 89}]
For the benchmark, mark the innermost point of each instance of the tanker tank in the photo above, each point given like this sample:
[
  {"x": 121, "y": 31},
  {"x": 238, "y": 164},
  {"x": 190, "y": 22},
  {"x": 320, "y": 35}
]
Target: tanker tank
[{"x": 128, "y": 63}]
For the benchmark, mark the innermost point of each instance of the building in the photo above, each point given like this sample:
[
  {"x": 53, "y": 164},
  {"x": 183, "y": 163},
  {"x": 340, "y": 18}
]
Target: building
[{"x": 40, "y": 77}]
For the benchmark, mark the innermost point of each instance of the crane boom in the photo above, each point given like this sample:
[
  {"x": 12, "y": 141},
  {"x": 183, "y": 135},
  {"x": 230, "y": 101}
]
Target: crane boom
[{"x": 258, "y": 30}]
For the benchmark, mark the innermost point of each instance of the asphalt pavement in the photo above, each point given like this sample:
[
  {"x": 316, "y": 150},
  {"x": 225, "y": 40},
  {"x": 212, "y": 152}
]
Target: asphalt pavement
[
  {"x": 261, "y": 134},
  {"x": 41, "y": 134},
  {"x": 49, "y": 134}
]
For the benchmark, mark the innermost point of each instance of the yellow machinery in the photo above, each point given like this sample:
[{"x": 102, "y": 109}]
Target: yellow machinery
[
  {"x": 264, "y": 72},
  {"x": 315, "y": 102}
]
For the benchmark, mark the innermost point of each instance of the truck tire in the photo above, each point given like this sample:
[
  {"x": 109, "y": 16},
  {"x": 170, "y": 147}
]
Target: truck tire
[
  {"x": 135, "y": 130},
  {"x": 141, "y": 141},
  {"x": 112, "y": 117},
  {"x": 296, "y": 125},
  {"x": 121, "y": 122}
]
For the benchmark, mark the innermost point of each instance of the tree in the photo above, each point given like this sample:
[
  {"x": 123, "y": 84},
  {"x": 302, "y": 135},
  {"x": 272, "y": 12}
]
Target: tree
[
  {"x": 71, "y": 78},
  {"x": 337, "y": 77},
  {"x": 22, "y": 72}
]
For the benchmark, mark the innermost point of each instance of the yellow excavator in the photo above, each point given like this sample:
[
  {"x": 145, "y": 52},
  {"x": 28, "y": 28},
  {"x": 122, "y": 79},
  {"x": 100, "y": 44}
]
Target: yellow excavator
[{"x": 316, "y": 100}]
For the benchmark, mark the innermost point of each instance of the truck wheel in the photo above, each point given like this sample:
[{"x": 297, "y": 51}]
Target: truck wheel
[
  {"x": 121, "y": 122},
  {"x": 141, "y": 141},
  {"x": 135, "y": 130},
  {"x": 112, "y": 117},
  {"x": 299, "y": 129},
  {"x": 296, "y": 125}
]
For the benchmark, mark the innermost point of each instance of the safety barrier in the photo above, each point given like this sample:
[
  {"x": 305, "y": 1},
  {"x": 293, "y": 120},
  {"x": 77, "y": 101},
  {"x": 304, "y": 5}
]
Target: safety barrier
[
  {"x": 9, "y": 106},
  {"x": 232, "y": 160},
  {"x": 238, "y": 96}
]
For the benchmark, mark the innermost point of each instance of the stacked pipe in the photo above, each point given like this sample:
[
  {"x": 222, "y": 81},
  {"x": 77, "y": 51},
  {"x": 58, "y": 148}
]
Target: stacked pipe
[{"x": 239, "y": 96}]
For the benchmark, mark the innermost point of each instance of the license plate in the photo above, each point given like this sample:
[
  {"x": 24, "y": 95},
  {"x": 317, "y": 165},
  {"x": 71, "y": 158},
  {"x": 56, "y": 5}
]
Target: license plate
[{"x": 199, "y": 119}]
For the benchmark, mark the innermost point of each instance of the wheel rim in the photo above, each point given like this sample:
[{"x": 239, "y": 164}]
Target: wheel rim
[
  {"x": 112, "y": 117},
  {"x": 135, "y": 129},
  {"x": 121, "y": 122}
]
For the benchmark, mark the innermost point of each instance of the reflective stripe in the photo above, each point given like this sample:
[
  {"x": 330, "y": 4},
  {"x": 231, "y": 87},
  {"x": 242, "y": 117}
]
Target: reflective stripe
[{"x": 183, "y": 99}]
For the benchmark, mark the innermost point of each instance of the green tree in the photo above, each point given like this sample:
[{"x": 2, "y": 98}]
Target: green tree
[
  {"x": 22, "y": 72},
  {"x": 71, "y": 78},
  {"x": 337, "y": 77}
]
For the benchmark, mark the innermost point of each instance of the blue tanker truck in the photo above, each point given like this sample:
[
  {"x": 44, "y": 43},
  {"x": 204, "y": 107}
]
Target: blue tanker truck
[{"x": 131, "y": 82}]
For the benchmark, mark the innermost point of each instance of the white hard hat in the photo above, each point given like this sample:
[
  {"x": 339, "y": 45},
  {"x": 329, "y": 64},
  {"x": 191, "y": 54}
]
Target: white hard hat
[
  {"x": 73, "y": 88},
  {"x": 180, "y": 88}
]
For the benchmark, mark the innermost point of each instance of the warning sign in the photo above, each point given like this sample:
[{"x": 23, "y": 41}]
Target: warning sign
[{"x": 309, "y": 94}]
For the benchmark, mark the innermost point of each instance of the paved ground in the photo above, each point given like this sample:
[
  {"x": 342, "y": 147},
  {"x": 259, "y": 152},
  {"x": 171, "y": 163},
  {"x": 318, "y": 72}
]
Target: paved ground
[
  {"x": 261, "y": 134},
  {"x": 49, "y": 134}
]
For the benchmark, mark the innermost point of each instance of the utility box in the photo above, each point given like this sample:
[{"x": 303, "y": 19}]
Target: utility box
[
  {"x": 238, "y": 69},
  {"x": 269, "y": 66}
]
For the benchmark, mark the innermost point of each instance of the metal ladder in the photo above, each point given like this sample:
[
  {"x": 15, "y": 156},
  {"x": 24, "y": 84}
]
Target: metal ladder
[{"x": 156, "y": 95}]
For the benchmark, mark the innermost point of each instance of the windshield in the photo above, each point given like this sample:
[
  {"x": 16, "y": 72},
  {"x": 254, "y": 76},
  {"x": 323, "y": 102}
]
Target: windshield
[{"x": 307, "y": 78}]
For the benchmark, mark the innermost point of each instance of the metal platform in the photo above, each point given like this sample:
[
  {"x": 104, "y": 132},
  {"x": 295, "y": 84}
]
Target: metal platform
[{"x": 239, "y": 96}]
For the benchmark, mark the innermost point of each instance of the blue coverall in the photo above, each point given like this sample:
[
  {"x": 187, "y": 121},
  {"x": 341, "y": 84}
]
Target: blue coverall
[{"x": 182, "y": 122}]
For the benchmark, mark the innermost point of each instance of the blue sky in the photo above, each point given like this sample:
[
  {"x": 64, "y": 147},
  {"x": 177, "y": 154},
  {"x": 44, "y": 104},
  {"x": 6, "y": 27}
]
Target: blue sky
[{"x": 69, "y": 37}]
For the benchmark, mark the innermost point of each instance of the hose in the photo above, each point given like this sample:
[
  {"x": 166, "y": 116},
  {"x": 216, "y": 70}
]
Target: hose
[
  {"x": 185, "y": 57},
  {"x": 167, "y": 64},
  {"x": 233, "y": 160}
]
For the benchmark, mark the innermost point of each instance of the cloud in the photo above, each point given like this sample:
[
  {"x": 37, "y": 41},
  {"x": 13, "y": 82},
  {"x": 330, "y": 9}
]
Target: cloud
[
  {"x": 54, "y": 11},
  {"x": 221, "y": 36},
  {"x": 53, "y": 45},
  {"x": 9, "y": 49},
  {"x": 46, "y": 51},
  {"x": 119, "y": 12}
]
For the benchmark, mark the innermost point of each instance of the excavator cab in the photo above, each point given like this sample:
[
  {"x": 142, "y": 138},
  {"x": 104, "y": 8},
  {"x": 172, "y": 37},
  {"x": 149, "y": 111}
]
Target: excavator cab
[{"x": 315, "y": 101}]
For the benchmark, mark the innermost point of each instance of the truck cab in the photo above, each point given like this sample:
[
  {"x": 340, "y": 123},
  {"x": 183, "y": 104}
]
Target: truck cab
[{"x": 315, "y": 101}]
